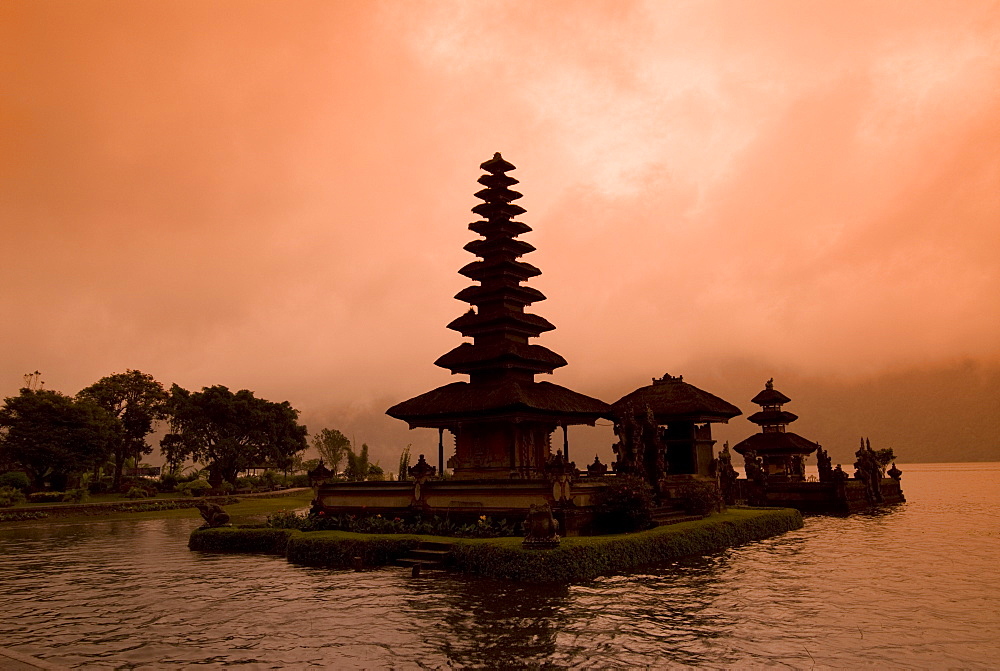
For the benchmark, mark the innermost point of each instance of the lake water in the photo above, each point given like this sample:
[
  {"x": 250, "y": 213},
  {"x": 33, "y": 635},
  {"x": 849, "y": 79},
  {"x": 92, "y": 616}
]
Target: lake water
[{"x": 916, "y": 586}]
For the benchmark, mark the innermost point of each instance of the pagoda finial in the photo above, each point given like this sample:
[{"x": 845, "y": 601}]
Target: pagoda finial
[{"x": 769, "y": 384}]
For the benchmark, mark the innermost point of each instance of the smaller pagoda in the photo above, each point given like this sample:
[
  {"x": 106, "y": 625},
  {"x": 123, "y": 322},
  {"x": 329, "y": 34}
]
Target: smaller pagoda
[{"x": 782, "y": 452}]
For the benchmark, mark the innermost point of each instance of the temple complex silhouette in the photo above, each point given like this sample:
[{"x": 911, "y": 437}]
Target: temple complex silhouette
[{"x": 500, "y": 423}]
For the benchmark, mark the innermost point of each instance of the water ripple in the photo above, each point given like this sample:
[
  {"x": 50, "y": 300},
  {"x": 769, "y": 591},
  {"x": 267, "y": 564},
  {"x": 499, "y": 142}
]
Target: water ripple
[{"x": 913, "y": 587}]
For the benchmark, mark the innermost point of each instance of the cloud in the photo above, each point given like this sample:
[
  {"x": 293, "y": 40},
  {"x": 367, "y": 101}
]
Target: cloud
[{"x": 275, "y": 196}]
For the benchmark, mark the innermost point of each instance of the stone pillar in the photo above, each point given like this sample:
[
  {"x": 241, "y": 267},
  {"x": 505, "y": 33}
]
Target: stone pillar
[{"x": 441, "y": 452}]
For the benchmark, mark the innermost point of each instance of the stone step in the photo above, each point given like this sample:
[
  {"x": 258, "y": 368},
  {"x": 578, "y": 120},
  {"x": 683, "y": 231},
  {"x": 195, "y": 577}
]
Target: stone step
[
  {"x": 424, "y": 563},
  {"x": 435, "y": 545},
  {"x": 675, "y": 518},
  {"x": 432, "y": 555},
  {"x": 427, "y": 555}
]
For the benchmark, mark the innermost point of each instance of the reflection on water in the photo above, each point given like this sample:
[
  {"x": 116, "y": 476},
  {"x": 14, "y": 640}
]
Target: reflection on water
[{"x": 913, "y": 586}]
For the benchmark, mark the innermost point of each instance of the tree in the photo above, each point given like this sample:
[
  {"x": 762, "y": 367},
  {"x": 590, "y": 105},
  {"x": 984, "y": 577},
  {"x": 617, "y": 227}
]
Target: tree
[
  {"x": 332, "y": 446},
  {"x": 404, "y": 464},
  {"x": 231, "y": 432},
  {"x": 358, "y": 465},
  {"x": 884, "y": 457},
  {"x": 53, "y": 436},
  {"x": 136, "y": 400}
]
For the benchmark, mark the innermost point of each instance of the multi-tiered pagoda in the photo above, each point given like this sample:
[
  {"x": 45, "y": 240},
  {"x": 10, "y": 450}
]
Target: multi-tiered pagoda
[
  {"x": 502, "y": 419},
  {"x": 783, "y": 452}
]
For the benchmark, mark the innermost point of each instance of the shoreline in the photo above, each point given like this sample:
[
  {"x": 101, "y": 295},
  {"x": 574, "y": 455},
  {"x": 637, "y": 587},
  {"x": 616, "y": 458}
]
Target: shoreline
[{"x": 249, "y": 505}]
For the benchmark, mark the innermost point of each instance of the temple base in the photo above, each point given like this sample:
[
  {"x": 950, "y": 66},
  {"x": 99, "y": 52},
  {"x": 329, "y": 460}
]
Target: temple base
[
  {"x": 464, "y": 500},
  {"x": 821, "y": 497}
]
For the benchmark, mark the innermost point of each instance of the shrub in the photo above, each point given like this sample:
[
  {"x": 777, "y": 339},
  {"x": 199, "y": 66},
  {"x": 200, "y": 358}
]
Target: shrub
[
  {"x": 194, "y": 487},
  {"x": 624, "y": 506},
  {"x": 21, "y": 515},
  {"x": 102, "y": 486},
  {"x": 300, "y": 480},
  {"x": 338, "y": 550},
  {"x": 76, "y": 496},
  {"x": 701, "y": 498},
  {"x": 15, "y": 480},
  {"x": 232, "y": 539},
  {"x": 148, "y": 486},
  {"x": 136, "y": 493},
  {"x": 10, "y": 496},
  {"x": 167, "y": 483},
  {"x": 484, "y": 527},
  {"x": 286, "y": 519},
  {"x": 46, "y": 497}
]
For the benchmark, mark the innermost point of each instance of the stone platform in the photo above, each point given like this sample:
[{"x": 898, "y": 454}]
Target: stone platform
[
  {"x": 465, "y": 500},
  {"x": 823, "y": 497}
]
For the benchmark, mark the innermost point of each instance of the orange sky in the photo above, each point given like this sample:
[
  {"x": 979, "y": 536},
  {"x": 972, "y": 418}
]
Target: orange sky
[{"x": 274, "y": 195}]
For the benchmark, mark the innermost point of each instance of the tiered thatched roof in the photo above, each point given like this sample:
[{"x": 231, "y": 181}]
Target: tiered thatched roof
[{"x": 500, "y": 361}]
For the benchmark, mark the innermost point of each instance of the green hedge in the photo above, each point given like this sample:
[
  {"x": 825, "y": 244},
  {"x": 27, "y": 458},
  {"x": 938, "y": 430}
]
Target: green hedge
[
  {"x": 46, "y": 497},
  {"x": 577, "y": 558},
  {"x": 583, "y": 558},
  {"x": 235, "y": 539},
  {"x": 329, "y": 549},
  {"x": 337, "y": 549},
  {"x": 22, "y": 515}
]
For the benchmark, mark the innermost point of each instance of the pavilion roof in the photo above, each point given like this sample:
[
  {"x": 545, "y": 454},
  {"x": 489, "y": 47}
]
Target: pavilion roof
[
  {"x": 670, "y": 398},
  {"x": 504, "y": 396},
  {"x": 776, "y": 442}
]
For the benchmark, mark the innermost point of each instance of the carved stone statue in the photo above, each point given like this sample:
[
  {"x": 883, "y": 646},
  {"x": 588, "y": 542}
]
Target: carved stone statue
[
  {"x": 639, "y": 448},
  {"x": 541, "y": 528},
  {"x": 560, "y": 474},
  {"x": 824, "y": 465},
  {"x": 727, "y": 475},
  {"x": 212, "y": 513},
  {"x": 421, "y": 472},
  {"x": 756, "y": 477},
  {"x": 868, "y": 470},
  {"x": 839, "y": 476}
]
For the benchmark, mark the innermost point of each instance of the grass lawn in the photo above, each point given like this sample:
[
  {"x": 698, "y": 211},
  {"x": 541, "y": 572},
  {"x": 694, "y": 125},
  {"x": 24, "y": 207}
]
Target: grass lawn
[
  {"x": 248, "y": 510},
  {"x": 576, "y": 558}
]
